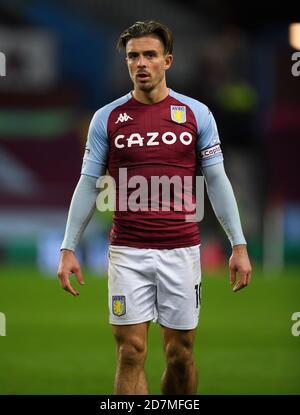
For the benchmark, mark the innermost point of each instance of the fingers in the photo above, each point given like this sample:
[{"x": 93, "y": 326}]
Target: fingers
[
  {"x": 66, "y": 285},
  {"x": 248, "y": 278},
  {"x": 69, "y": 265},
  {"x": 79, "y": 276},
  {"x": 238, "y": 286},
  {"x": 232, "y": 276},
  {"x": 243, "y": 282}
]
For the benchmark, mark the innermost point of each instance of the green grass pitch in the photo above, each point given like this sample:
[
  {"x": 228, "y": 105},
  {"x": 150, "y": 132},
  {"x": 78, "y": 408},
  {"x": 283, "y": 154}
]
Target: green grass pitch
[{"x": 57, "y": 344}]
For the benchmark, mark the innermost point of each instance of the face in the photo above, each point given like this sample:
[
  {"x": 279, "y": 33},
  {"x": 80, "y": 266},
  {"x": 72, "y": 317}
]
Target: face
[{"x": 147, "y": 62}]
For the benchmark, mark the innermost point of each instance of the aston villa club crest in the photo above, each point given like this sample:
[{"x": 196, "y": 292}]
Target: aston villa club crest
[
  {"x": 178, "y": 113},
  {"x": 119, "y": 305}
]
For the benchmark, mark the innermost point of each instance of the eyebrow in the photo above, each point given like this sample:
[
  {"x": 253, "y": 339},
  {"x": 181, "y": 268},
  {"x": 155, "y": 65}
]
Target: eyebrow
[{"x": 144, "y": 52}]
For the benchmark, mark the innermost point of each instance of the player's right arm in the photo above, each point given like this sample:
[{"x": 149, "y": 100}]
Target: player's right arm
[
  {"x": 81, "y": 210},
  {"x": 83, "y": 202}
]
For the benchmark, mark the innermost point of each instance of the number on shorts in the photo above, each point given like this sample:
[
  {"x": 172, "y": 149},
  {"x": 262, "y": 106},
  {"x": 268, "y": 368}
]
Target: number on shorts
[{"x": 198, "y": 294}]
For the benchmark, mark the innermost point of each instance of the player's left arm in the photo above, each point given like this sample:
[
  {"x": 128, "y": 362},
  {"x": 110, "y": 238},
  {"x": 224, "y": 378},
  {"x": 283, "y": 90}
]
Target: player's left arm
[
  {"x": 221, "y": 195},
  {"x": 224, "y": 204}
]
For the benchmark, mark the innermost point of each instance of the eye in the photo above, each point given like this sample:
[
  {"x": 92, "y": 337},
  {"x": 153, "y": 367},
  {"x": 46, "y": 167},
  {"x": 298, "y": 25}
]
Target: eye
[{"x": 132, "y": 55}]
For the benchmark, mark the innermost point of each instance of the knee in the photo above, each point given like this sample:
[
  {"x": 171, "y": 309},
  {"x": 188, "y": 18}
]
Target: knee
[
  {"x": 179, "y": 355},
  {"x": 132, "y": 351}
]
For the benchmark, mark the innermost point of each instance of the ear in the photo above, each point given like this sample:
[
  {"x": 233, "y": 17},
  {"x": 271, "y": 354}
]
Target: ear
[{"x": 168, "y": 61}]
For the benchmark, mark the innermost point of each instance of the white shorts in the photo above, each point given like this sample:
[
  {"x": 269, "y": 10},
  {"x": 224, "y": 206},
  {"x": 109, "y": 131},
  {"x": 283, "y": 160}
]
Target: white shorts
[{"x": 162, "y": 285}]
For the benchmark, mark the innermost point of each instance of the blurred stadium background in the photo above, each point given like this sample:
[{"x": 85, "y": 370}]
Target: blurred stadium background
[{"x": 61, "y": 66}]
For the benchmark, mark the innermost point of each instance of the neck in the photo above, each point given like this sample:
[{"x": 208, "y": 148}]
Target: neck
[{"x": 153, "y": 96}]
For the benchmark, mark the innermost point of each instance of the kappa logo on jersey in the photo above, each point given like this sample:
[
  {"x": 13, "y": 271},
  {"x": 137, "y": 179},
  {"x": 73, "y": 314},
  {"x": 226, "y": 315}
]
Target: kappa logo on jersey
[
  {"x": 123, "y": 117},
  {"x": 178, "y": 113},
  {"x": 119, "y": 305}
]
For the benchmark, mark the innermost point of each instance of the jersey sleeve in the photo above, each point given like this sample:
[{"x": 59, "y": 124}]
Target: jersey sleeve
[
  {"x": 96, "y": 150},
  {"x": 208, "y": 144}
]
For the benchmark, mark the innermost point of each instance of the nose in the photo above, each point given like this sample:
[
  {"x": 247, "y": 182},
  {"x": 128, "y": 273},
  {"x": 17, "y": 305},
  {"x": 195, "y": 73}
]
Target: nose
[{"x": 141, "y": 61}]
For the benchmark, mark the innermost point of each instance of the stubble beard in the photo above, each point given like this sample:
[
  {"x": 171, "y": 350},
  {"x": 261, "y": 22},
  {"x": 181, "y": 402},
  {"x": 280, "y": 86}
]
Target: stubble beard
[
  {"x": 148, "y": 86},
  {"x": 145, "y": 87}
]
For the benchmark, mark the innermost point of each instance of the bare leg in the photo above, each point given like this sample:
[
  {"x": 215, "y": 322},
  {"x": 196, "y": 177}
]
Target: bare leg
[
  {"x": 131, "y": 342},
  {"x": 180, "y": 375}
]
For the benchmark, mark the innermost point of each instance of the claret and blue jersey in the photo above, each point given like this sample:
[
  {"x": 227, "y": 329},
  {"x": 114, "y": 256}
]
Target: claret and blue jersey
[{"x": 167, "y": 138}]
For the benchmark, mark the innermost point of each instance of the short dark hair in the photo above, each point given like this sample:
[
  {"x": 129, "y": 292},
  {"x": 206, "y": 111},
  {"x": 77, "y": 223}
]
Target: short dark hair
[{"x": 150, "y": 27}]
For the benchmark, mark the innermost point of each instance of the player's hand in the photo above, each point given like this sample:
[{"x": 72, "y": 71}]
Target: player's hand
[
  {"x": 239, "y": 263},
  {"x": 69, "y": 265}
]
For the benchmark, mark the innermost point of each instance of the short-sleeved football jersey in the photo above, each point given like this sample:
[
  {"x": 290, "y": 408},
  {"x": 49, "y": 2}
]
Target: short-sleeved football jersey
[{"x": 139, "y": 144}]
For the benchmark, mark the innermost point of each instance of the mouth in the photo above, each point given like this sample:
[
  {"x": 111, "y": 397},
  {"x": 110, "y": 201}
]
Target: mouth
[{"x": 143, "y": 76}]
